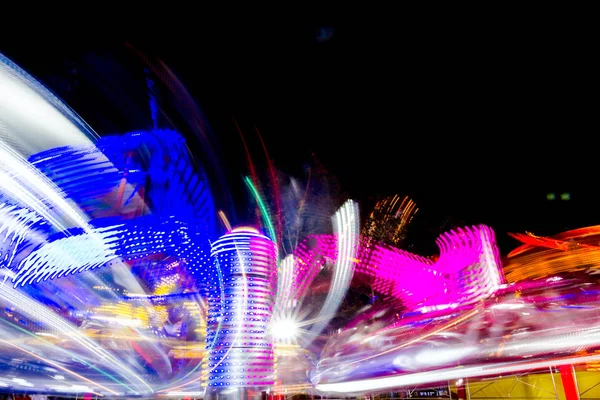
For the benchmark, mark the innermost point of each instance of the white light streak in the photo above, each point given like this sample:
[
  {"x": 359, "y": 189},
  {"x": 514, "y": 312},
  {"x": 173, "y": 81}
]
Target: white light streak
[
  {"x": 68, "y": 255},
  {"x": 347, "y": 231},
  {"x": 32, "y": 119},
  {"x": 444, "y": 374},
  {"x": 38, "y": 312}
]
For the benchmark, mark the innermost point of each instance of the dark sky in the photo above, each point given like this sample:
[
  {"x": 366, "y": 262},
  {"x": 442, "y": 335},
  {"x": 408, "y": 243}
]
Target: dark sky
[{"x": 477, "y": 119}]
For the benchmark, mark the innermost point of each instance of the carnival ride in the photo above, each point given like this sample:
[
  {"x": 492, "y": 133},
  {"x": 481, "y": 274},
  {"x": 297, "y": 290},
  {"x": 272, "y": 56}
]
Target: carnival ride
[{"x": 108, "y": 279}]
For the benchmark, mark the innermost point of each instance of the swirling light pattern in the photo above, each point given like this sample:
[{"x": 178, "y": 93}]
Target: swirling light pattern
[
  {"x": 546, "y": 316},
  {"x": 509, "y": 331},
  {"x": 115, "y": 281},
  {"x": 74, "y": 206},
  {"x": 137, "y": 199}
]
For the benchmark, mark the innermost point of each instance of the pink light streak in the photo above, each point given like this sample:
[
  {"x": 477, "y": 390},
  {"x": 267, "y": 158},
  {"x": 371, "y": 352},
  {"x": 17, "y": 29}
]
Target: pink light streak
[{"x": 468, "y": 268}]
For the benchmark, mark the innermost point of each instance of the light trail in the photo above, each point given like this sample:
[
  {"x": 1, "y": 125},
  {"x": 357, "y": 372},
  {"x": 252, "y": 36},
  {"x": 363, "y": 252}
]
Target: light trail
[
  {"x": 408, "y": 343},
  {"x": 56, "y": 365},
  {"x": 446, "y": 374}
]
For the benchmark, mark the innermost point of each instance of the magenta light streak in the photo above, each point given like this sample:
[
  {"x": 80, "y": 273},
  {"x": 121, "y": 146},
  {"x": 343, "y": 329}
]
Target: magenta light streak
[{"x": 467, "y": 270}]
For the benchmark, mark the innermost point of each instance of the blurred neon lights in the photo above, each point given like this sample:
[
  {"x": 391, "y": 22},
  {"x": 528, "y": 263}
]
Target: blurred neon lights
[
  {"x": 467, "y": 270},
  {"x": 446, "y": 374},
  {"x": 75, "y": 202},
  {"x": 239, "y": 345},
  {"x": 346, "y": 231}
]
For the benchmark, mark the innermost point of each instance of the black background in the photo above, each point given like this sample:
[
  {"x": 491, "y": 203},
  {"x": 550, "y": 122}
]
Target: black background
[{"x": 476, "y": 114}]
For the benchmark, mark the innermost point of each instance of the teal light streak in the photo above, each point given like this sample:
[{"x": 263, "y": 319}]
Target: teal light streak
[{"x": 263, "y": 209}]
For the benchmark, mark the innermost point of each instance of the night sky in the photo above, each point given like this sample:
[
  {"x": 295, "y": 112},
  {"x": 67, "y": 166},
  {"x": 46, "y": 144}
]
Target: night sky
[{"x": 476, "y": 120}]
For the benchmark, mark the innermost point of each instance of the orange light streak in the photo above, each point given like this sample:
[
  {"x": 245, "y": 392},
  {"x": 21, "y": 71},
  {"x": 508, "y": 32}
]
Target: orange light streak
[{"x": 224, "y": 220}]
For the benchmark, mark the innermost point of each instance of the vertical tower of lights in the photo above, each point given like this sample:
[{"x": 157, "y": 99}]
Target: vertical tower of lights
[{"x": 240, "y": 304}]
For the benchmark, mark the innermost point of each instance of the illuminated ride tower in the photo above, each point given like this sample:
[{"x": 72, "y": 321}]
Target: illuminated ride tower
[{"x": 241, "y": 293}]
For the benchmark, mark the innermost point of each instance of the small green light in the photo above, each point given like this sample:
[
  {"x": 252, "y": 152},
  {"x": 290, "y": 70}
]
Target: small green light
[
  {"x": 565, "y": 196},
  {"x": 551, "y": 196}
]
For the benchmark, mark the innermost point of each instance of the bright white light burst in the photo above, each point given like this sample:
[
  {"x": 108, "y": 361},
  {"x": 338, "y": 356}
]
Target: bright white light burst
[{"x": 285, "y": 329}]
